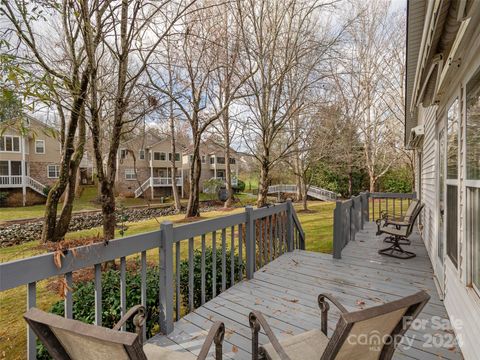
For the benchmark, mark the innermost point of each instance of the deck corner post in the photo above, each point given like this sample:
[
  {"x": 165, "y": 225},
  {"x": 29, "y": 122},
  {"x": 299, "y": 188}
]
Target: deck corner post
[
  {"x": 166, "y": 277},
  {"x": 367, "y": 206},
  {"x": 250, "y": 243},
  {"x": 337, "y": 230},
  {"x": 289, "y": 225}
]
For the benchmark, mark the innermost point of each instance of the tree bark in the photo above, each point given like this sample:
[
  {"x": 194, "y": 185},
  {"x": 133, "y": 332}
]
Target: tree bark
[
  {"x": 176, "y": 196},
  {"x": 49, "y": 230},
  {"x": 193, "y": 207},
  {"x": 264, "y": 183},
  {"x": 228, "y": 168}
]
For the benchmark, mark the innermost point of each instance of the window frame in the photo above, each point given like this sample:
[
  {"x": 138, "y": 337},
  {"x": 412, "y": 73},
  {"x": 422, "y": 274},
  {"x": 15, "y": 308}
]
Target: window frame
[
  {"x": 130, "y": 174},
  {"x": 141, "y": 154},
  {"x": 43, "y": 147},
  {"x": 3, "y": 140},
  {"x": 57, "y": 171}
]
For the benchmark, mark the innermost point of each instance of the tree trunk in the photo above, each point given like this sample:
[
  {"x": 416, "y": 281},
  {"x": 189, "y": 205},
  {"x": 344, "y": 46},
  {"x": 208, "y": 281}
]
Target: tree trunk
[
  {"x": 228, "y": 170},
  {"x": 299, "y": 187},
  {"x": 49, "y": 232},
  {"x": 193, "y": 207},
  {"x": 350, "y": 184},
  {"x": 304, "y": 194},
  {"x": 264, "y": 183},
  {"x": 373, "y": 182},
  {"x": 108, "y": 211},
  {"x": 176, "y": 196}
]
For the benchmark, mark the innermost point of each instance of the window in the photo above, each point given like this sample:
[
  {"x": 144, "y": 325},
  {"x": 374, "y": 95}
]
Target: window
[
  {"x": 220, "y": 160},
  {"x": 212, "y": 160},
  {"x": 473, "y": 177},
  {"x": 16, "y": 168},
  {"x": 39, "y": 146},
  {"x": 177, "y": 156},
  {"x": 232, "y": 161},
  {"x": 53, "y": 171},
  {"x": 10, "y": 143},
  {"x": 130, "y": 174},
  {"x": 159, "y": 156},
  {"x": 123, "y": 153},
  {"x": 452, "y": 181},
  {"x": 141, "y": 154},
  {"x": 4, "y": 168},
  {"x": 190, "y": 158},
  {"x": 204, "y": 159}
]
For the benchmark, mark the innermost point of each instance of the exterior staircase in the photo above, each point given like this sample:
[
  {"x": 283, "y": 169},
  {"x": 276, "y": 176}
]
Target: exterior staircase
[
  {"x": 313, "y": 191},
  {"x": 142, "y": 188}
]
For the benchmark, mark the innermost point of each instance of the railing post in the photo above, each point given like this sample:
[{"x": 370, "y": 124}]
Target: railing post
[
  {"x": 289, "y": 225},
  {"x": 250, "y": 243},
  {"x": 337, "y": 230},
  {"x": 366, "y": 209},
  {"x": 166, "y": 277}
]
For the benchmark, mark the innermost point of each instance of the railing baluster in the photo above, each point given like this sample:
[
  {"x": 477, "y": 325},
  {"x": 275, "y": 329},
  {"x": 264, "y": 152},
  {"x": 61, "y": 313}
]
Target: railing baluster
[
  {"x": 250, "y": 231},
  {"x": 123, "y": 289},
  {"x": 202, "y": 271},
  {"x": 270, "y": 240},
  {"x": 265, "y": 240},
  {"x": 166, "y": 277},
  {"x": 143, "y": 286},
  {"x": 224, "y": 259},
  {"x": 191, "y": 269},
  {"x": 98, "y": 294},
  {"x": 177, "y": 280},
  {"x": 401, "y": 207},
  {"x": 31, "y": 337},
  {"x": 259, "y": 223},
  {"x": 214, "y": 264},
  {"x": 68, "y": 301},
  {"x": 240, "y": 252},
  {"x": 232, "y": 255}
]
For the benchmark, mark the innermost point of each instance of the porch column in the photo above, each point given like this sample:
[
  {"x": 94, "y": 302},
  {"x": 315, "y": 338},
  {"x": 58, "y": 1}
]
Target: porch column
[{"x": 24, "y": 178}]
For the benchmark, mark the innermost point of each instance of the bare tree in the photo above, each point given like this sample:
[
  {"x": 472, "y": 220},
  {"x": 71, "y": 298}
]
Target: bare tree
[
  {"x": 193, "y": 93},
  {"x": 278, "y": 38},
  {"x": 126, "y": 49},
  {"x": 65, "y": 77}
]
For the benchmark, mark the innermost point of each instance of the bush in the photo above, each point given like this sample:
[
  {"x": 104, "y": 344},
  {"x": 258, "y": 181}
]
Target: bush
[
  {"x": 46, "y": 190},
  {"x": 240, "y": 186},
  {"x": 3, "y": 198},
  {"x": 197, "y": 294},
  {"x": 84, "y": 301},
  {"x": 397, "y": 180}
]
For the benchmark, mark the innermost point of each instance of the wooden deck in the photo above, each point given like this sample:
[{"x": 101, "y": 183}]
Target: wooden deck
[{"x": 286, "y": 290}]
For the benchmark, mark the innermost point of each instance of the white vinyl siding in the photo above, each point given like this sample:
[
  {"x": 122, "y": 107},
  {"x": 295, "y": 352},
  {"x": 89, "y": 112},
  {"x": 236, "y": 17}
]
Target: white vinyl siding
[{"x": 429, "y": 178}]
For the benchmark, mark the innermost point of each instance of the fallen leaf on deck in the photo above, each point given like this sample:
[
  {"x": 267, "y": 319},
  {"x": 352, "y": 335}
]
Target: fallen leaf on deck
[{"x": 234, "y": 349}]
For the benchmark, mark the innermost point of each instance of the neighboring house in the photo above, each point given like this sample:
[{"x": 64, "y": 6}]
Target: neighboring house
[
  {"x": 443, "y": 127},
  {"x": 28, "y": 162},
  {"x": 144, "y": 167},
  {"x": 213, "y": 162}
]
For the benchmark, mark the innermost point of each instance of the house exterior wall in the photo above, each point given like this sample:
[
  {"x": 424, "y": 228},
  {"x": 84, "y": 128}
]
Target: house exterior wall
[
  {"x": 461, "y": 300},
  {"x": 36, "y": 163}
]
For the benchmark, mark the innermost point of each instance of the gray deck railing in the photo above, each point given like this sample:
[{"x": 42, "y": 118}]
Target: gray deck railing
[
  {"x": 256, "y": 235},
  {"x": 350, "y": 215}
]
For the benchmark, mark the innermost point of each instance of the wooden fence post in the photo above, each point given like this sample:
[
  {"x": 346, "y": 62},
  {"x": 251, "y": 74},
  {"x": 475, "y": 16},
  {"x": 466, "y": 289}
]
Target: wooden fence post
[
  {"x": 289, "y": 225},
  {"x": 166, "y": 277},
  {"x": 250, "y": 243},
  {"x": 338, "y": 228}
]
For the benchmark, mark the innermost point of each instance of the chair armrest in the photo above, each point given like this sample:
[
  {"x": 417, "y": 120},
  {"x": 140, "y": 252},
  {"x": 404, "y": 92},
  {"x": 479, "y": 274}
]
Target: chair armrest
[
  {"x": 216, "y": 335},
  {"x": 324, "y": 307},
  {"x": 257, "y": 321},
  {"x": 138, "y": 313}
]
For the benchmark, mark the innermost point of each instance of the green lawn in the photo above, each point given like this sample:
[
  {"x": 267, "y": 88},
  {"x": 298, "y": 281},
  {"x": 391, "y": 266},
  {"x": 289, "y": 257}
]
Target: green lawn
[{"x": 317, "y": 224}]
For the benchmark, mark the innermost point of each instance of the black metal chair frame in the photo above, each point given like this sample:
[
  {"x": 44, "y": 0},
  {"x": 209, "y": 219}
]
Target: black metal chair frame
[{"x": 397, "y": 240}]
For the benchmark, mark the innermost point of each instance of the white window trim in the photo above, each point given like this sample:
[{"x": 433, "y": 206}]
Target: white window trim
[
  {"x": 43, "y": 145},
  {"x": 48, "y": 171},
  {"x": 3, "y": 138},
  {"x": 130, "y": 175}
]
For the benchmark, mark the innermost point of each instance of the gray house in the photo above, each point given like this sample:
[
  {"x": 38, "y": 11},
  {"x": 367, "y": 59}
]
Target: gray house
[{"x": 443, "y": 128}]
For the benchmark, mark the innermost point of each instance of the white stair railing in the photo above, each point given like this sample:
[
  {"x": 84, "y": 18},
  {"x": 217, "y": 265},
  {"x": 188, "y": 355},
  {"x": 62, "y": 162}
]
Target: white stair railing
[
  {"x": 313, "y": 191},
  {"x": 142, "y": 188},
  {"x": 35, "y": 185}
]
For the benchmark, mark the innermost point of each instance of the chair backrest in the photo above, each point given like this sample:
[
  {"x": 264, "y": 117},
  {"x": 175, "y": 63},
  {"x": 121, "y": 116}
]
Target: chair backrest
[
  {"x": 411, "y": 208},
  {"x": 413, "y": 218},
  {"x": 70, "y": 339},
  {"x": 373, "y": 333}
]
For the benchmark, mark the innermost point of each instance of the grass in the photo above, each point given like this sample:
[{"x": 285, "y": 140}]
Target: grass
[{"x": 317, "y": 224}]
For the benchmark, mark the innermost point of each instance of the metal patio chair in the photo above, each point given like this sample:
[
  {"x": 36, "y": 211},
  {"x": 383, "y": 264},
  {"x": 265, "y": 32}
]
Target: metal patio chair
[
  {"x": 377, "y": 325},
  {"x": 67, "y": 339},
  {"x": 398, "y": 233},
  {"x": 389, "y": 220}
]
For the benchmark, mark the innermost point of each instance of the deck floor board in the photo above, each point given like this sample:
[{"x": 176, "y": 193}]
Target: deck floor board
[{"x": 286, "y": 289}]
